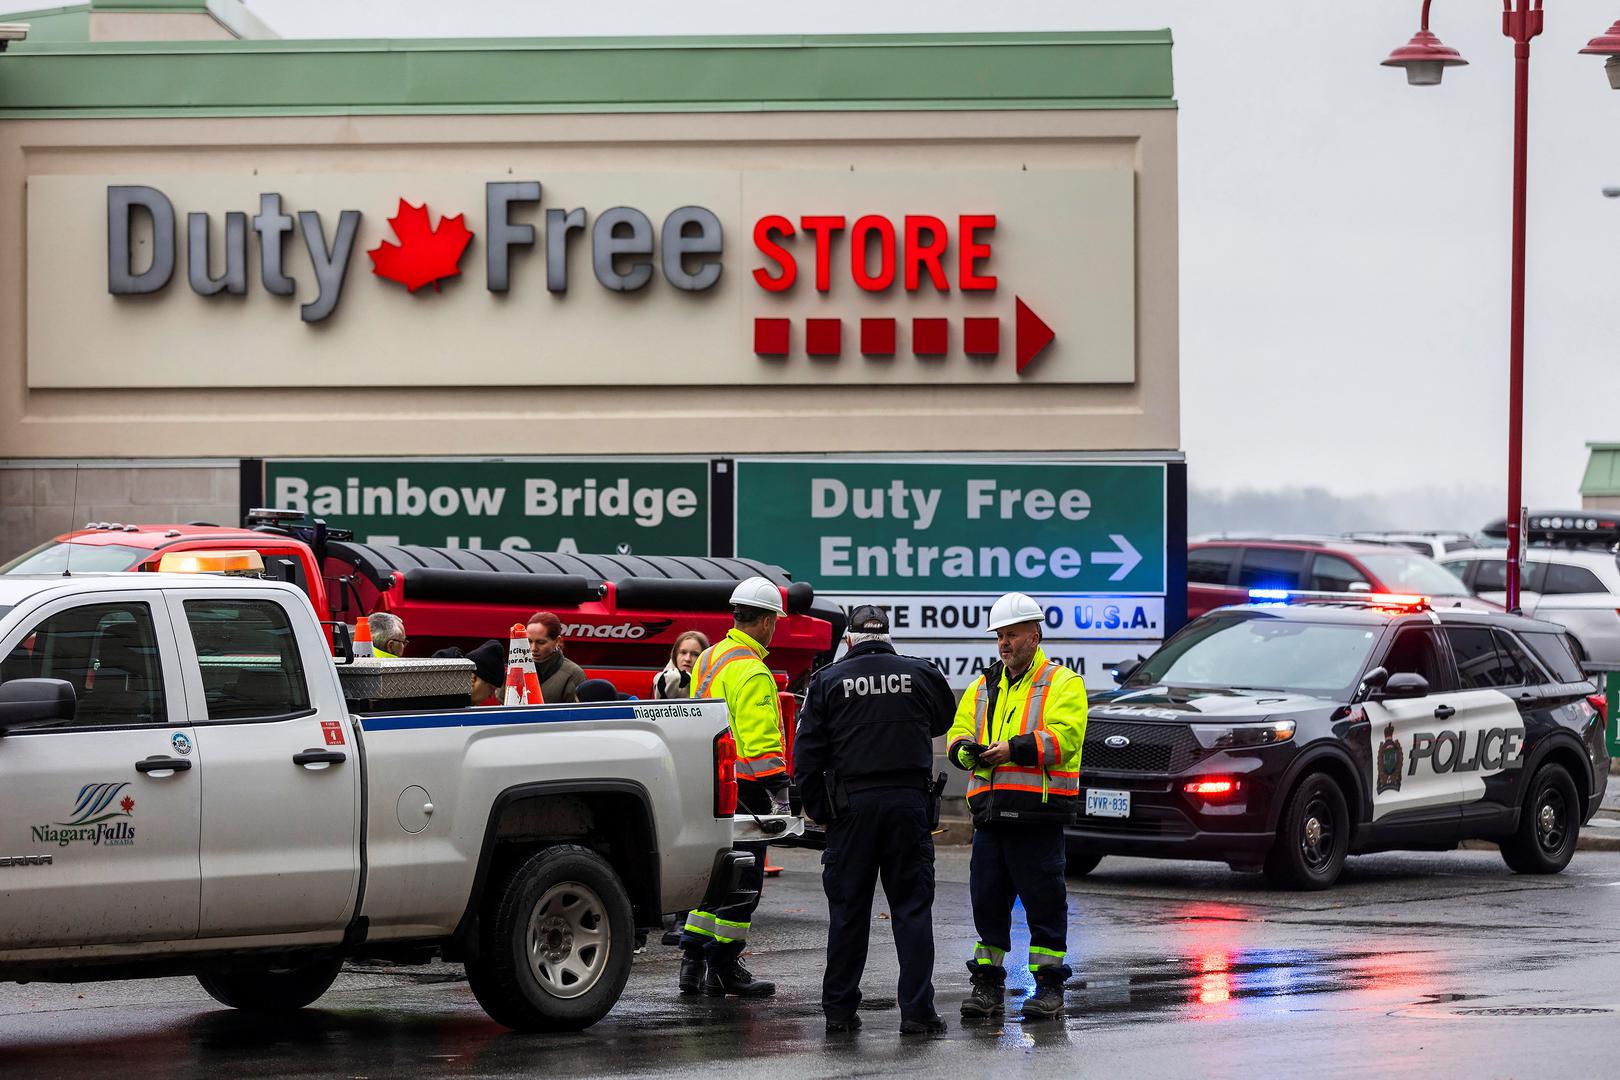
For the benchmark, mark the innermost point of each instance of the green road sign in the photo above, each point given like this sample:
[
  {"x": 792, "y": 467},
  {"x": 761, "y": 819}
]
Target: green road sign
[
  {"x": 604, "y": 505},
  {"x": 963, "y": 526}
]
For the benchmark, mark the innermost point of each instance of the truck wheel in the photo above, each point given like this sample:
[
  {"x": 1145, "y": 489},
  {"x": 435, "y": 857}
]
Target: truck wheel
[
  {"x": 556, "y": 942},
  {"x": 271, "y": 990},
  {"x": 1313, "y": 836},
  {"x": 1080, "y": 862},
  {"x": 1549, "y": 824}
]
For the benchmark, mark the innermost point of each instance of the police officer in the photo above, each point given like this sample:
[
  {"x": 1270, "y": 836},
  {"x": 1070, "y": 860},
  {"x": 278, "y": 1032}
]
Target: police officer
[
  {"x": 863, "y": 758},
  {"x": 1019, "y": 729},
  {"x": 734, "y": 668}
]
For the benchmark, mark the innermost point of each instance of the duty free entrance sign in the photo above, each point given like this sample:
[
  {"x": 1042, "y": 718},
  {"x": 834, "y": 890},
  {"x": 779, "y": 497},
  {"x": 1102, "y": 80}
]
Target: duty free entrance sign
[{"x": 935, "y": 542}]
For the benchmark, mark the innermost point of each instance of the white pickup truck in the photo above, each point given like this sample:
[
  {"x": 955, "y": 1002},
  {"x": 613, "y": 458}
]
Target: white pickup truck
[{"x": 185, "y": 790}]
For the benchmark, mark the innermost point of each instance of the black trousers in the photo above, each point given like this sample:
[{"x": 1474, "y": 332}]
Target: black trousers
[
  {"x": 884, "y": 835},
  {"x": 721, "y": 933},
  {"x": 1019, "y": 862}
]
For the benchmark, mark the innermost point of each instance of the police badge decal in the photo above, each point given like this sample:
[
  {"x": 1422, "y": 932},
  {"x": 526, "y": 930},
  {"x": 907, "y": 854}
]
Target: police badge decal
[{"x": 1389, "y": 762}]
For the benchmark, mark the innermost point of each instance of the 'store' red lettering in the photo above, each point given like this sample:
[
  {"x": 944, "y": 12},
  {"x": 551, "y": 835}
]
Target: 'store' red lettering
[{"x": 921, "y": 249}]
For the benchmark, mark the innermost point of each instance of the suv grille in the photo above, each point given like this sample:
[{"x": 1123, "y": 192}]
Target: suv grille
[{"x": 1154, "y": 748}]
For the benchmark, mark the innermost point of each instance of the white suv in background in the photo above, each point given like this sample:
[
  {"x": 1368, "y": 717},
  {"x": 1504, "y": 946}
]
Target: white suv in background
[{"x": 1578, "y": 588}]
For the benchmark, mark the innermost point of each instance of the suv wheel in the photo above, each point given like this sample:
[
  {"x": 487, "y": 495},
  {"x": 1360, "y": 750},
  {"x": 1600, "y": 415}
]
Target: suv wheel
[
  {"x": 271, "y": 990},
  {"x": 1549, "y": 824},
  {"x": 1313, "y": 836},
  {"x": 557, "y": 939}
]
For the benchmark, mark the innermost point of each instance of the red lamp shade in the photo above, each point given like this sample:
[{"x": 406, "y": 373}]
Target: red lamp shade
[
  {"x": 1608, "y": 44},
  {"x": 1425, "y": 58}
]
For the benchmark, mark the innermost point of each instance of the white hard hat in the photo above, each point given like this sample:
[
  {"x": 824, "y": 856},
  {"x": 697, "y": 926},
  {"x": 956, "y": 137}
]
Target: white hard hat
[
  {"x": 756, "y": 592},
  {"x": 1014, "y": 608}
]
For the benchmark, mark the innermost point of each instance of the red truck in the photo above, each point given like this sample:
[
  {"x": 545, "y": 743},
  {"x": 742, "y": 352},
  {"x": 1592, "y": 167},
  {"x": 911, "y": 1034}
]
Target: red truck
[{"x": 621, "y": 613}]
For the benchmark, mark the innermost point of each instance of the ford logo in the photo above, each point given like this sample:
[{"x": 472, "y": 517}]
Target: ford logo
[{"x": 1116, "y": 742}]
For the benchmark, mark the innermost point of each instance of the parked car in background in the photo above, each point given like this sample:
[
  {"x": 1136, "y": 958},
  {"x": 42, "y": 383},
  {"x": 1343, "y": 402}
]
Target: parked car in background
[
  {"x": 1578, "y": 588},
  {"x": 1433, "y": 544},
  {"x": 1221, "y": 572}
]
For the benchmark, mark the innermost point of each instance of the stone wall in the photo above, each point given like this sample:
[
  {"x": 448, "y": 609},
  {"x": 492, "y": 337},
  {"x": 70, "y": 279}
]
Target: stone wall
[{"x": 38, "y": 500}]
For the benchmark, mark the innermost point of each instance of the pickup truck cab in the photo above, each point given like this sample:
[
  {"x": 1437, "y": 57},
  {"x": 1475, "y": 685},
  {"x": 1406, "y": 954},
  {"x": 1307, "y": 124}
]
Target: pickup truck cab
[{"x": 184, "y": 789}]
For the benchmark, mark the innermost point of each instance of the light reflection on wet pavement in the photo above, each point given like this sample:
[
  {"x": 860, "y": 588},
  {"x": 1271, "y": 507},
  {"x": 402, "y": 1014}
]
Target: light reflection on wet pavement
[{"x": 1179, "y": 969}]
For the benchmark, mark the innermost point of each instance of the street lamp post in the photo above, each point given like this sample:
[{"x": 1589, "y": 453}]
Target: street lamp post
[{"x": 1425, "y": 60}]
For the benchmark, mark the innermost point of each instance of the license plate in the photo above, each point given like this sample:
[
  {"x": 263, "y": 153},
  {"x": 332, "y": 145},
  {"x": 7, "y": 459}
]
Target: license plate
[{"x": 1107, "y": 803}]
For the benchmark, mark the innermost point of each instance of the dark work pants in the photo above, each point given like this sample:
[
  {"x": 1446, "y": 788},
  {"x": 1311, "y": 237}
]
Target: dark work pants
[
  {"x": 885, "y": 834},
  {"x": 1019, "y": 862},
  {"x": 722, "y": 932}
]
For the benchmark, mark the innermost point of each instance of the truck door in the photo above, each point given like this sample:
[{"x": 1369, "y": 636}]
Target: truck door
[
  {"x": 281, "y": 803},
  {"x": 111, "y": 798}
]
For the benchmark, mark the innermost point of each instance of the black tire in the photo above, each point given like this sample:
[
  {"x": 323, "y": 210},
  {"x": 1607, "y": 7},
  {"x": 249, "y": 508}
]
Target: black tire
[
  {"x": 1313, "y": 836},
  {"x": 1080, "y": 862},
  {"x": 271, "y": 990},
  {"x": 531, "y": 974},
  {"x": 1549, "y": 825}
]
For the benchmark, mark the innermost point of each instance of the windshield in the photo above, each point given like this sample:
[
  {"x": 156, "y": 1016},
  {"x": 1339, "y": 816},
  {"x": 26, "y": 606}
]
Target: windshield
[
  {"x": 1255, "y": 651},
  {"x": 1413, "y": 574},
  {"x": 53, "y": 558}
]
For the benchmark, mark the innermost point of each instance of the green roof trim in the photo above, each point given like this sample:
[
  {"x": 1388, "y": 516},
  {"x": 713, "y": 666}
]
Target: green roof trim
[
  {"x": 1602, "y": 470},
  {"x": 69, "y": 23},
  {"x": 1112, "y": 70}
]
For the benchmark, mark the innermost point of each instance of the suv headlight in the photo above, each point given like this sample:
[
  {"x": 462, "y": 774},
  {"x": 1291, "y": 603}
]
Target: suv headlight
[{"x": 1237, "y": 736}]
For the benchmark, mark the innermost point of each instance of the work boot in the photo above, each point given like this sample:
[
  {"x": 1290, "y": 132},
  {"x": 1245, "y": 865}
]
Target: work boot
[
  {"x": 692, "y": 972},
  {"x": 928, "y": 1025},
  {"x": 730, "y": 977},
  {"x": 989, "y": 990},
  {"x": 840, "y": 1027},
  {"x": 1048, "y": 999}
]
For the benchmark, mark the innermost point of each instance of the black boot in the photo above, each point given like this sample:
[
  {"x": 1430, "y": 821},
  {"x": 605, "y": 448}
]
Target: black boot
[
  {"x": 730, "y": 977},
  {"x": 1048, "y": 999},
  {"x": 989, "y": 990},
  {"x": 692, "y": 971}
]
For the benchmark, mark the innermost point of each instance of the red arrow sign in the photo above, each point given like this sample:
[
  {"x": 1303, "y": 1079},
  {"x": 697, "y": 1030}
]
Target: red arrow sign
[{"x": 1033, "y": 335}]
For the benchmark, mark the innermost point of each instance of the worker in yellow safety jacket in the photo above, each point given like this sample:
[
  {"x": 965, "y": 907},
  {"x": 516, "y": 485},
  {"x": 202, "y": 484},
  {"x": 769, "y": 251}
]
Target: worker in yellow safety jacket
[
  {"x": 1019, "y": 729},
  {"x": 733, "y": 668}
]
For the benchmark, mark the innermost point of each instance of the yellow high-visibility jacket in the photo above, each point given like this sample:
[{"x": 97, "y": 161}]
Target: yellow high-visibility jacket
[
  {"x": 1043, "y": 716},
  {"x": 733, "y": 668}
]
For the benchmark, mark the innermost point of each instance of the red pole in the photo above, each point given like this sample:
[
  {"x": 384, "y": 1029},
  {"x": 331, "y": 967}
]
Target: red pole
[
  {"x": 1521, "y": 107},
  {"x": 1521, "y": 24}
]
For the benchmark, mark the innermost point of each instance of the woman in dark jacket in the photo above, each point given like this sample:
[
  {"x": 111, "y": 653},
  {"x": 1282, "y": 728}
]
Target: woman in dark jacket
[{"x": 675, "y": 681}]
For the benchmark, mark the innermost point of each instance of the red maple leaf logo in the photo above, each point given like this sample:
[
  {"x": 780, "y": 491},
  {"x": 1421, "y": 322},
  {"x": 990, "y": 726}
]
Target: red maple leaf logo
[
  {"x": 128, "y": 804},
  {"x": 422, "y": 255}
]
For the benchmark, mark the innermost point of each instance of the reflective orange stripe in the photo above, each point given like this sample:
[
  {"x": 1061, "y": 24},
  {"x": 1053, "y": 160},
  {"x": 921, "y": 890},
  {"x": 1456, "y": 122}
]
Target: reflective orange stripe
[
  {"x": 715, "y": 662},
  {"x": 758, "y": 768}
]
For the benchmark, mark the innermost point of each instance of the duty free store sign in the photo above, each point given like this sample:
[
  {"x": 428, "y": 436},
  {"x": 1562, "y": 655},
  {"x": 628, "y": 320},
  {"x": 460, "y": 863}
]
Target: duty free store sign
[{"x": 667, "y": 276}]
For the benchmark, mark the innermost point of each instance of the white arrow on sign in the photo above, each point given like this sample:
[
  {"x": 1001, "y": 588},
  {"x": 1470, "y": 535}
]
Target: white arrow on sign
[{"x": 1125, "y": 558}]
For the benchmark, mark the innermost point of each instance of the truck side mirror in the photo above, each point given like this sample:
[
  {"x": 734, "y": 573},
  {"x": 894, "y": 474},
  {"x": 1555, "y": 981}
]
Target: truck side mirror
[{"x": 28, "y": 703}]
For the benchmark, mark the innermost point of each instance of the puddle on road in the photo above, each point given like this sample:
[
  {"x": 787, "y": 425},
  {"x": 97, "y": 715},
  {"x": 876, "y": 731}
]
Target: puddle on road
[{"x": 1222, "y": 982}]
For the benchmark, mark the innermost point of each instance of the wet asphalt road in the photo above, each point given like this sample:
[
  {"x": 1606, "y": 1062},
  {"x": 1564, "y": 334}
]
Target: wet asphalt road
[{"x": 1416, "y": 965}]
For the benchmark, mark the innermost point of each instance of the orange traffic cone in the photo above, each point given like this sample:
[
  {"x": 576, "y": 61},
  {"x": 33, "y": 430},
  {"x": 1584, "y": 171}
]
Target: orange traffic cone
[
  {"x": 522, "y": 683},
  {"x": 362, "y": 637}
]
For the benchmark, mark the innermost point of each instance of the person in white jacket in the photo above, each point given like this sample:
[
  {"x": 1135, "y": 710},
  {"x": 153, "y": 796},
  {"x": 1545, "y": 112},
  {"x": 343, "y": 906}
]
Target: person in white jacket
[{"x": 676, "y": 679}]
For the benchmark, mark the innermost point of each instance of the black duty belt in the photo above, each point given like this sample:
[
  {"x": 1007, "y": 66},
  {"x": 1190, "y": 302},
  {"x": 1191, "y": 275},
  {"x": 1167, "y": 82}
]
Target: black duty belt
[{"x": 917, "y": 781}]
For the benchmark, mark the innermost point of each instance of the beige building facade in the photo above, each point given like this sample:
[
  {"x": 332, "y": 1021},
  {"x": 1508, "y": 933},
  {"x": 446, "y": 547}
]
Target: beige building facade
[{"x": 914, "y": 245}]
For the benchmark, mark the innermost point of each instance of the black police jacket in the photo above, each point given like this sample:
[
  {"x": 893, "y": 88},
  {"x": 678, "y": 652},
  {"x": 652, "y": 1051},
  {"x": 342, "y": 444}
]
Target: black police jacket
[{"x": 870, "y": 719}]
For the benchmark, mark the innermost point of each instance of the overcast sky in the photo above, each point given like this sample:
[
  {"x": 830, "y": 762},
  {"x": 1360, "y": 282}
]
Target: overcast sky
[{"x": 1344, "y": 237}]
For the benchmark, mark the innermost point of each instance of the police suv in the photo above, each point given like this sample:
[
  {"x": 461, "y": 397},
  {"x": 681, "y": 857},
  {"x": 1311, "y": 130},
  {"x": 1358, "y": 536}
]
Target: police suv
[{"x": 1289, "y": 732}]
